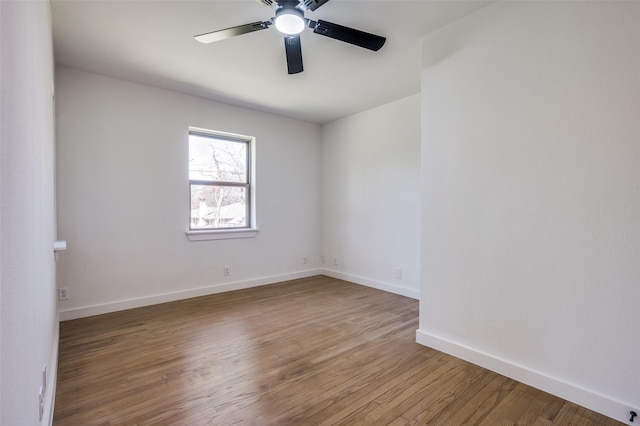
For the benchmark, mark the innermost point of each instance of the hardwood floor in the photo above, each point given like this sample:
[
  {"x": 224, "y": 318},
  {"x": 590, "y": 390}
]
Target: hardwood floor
[{"x": 315, "y": 351}]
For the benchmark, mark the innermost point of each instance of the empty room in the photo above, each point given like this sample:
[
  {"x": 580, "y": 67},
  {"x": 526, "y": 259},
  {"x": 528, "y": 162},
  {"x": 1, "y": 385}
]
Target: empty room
[{"x": 306, "y": 212}]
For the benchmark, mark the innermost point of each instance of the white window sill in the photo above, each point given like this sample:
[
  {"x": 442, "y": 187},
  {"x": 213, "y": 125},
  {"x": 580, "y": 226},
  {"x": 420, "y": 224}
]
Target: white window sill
[{"x": 221, "y": 234}]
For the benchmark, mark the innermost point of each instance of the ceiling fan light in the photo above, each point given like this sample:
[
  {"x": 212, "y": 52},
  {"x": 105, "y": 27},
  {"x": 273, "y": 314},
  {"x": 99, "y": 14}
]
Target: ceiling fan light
[{"x": 289, "y": 21}]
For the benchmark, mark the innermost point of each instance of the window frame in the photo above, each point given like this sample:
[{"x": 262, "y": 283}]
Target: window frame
[{"x": 250, "y": 229}]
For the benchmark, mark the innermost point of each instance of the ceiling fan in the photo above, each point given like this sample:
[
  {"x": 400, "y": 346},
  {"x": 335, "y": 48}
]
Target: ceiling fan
[{"x": 289, "y": 19}]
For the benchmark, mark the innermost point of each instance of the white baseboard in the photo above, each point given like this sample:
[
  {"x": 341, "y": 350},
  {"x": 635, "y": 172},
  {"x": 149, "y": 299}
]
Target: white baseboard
[
  {"x": 571, "y": 392},
  {"x": 592, "y": 400},
  {"x": 103, "y": 308},
  {"x": 402, "y": 291},
  {"x": 120, "y": 305},
  {"x": 52, "y": 376}
]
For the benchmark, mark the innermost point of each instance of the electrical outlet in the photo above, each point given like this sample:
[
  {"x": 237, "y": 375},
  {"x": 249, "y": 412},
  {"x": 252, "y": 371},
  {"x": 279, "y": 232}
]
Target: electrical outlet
[
  {"x": 335, "y": 261},
  {"x": 40, "y": 403},
  {"x": 227, "y": 271},
  {"x": 398, "y": 273},
  {"x": 63, "y": 293},
  {"x": 304, "y": 260},
  {"x": 42, "y": 392}
]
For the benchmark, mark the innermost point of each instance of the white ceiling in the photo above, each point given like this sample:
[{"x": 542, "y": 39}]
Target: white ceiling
[{"x": 152, "y": 42}]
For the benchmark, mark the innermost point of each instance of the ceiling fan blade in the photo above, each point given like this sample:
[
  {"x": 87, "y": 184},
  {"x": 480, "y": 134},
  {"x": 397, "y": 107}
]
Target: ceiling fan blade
[
  {"x": 348, "y": 35},
  {"x": 293, "y": 49},
  {"x": 232, "y": 32},
  {"x": 312, "y": 4}
]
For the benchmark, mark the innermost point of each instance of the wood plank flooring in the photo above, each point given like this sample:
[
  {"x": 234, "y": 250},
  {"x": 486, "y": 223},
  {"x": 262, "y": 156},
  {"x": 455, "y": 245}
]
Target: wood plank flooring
[{"x": 315, "y": 351}]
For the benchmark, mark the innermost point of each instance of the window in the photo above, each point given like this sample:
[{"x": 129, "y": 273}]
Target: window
[{"x": 220, "y": 182}]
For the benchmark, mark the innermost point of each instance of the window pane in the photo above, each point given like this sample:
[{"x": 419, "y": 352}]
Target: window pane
[
  {"x": 214, "y": 206},
  {"x": 217, "y": 159}
]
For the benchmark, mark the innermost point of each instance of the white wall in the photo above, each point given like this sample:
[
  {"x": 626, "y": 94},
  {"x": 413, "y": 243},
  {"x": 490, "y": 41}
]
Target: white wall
[
  {"x": 371, "y": 197},
  {"x": 531, "y": 200},
  {"x": 28, "y": 319},
  {"x": 122, "y": 187}
]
